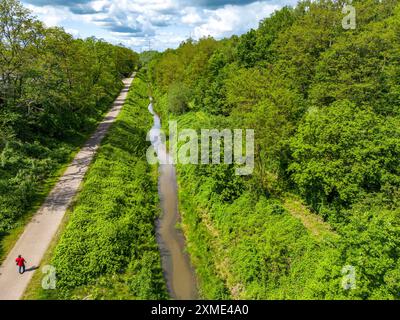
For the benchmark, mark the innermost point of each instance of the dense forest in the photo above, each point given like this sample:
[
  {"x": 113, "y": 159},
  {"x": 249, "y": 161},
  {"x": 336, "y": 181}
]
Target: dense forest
[
  {"x": 322, "y": 206},
  {"x": 53, "y": 91}
]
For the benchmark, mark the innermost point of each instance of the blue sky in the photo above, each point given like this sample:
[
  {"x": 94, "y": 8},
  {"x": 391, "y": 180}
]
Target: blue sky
[{"x": 160, "y": 23}]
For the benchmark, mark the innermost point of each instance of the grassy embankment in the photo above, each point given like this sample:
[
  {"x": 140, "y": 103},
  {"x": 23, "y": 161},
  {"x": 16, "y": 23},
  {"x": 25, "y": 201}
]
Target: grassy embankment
[
  {"x": 246, "y": 246},
  {"x": 107, "y": 248}
]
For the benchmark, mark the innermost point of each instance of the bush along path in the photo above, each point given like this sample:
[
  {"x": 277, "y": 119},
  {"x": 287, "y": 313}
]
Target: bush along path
[{"x": 39, "y": 232}]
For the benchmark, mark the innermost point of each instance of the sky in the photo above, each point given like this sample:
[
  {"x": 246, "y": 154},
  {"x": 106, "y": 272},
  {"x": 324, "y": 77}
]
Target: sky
[{"x": 155, "y": 24}]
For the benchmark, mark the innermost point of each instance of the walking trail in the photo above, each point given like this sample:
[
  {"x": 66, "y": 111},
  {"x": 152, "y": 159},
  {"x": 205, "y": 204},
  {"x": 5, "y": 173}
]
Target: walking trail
[{"x": 38, "y": 234}]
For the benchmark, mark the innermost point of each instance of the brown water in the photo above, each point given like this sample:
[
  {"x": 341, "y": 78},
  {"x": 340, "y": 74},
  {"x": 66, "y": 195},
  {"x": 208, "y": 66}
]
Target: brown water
[{"x": 178, "y": 271}]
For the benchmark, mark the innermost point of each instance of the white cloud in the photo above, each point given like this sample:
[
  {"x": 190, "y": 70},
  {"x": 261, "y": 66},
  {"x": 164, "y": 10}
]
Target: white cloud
[
  {"x": 233, "y": 19},
  {"x": 165, "y": 22},
  {"x": 51, "y": 16},
  {"x": 191, "y": 16},
  {"x": 100, "y": 5},
  {"x": 74, "y": 32}
]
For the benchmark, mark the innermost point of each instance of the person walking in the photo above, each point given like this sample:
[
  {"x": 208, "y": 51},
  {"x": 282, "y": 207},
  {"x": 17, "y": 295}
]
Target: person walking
[{"x": 21, "y": 264}]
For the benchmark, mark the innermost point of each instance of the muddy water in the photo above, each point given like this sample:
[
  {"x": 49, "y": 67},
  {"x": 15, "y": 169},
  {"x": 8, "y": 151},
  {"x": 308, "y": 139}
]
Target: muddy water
[{"x": 178, "y": 272}]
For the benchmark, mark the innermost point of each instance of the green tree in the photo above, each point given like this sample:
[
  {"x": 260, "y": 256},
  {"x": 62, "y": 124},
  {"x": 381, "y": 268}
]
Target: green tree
[{"x": 343, "y": 152}]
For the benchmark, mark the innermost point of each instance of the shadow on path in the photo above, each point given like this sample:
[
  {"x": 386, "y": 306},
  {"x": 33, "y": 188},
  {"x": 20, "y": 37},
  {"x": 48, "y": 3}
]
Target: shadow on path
[{"x": 31, "y": 269}]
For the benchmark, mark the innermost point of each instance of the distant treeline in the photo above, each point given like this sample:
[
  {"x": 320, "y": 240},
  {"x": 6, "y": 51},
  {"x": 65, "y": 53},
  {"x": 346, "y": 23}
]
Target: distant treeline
[
  {"x": 53, "y": 90},
  {"x": 325, "y": 105}
]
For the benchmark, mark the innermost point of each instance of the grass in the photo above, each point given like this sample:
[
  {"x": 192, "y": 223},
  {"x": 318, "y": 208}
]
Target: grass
[{"x": 107, "y": 248}]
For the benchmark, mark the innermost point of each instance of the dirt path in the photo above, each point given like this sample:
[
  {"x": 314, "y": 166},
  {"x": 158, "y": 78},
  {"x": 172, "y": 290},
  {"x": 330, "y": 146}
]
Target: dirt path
[
  {"x": 312, "y": 222},
  {"x": 38, "y": 234}
]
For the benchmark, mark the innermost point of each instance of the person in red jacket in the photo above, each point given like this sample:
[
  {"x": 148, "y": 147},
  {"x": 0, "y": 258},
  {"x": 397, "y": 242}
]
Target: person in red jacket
[{"x": 21, "y": 264}]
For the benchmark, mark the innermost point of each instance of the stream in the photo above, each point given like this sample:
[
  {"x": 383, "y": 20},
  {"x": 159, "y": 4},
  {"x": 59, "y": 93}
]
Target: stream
[{"x": 178, "y": 271}]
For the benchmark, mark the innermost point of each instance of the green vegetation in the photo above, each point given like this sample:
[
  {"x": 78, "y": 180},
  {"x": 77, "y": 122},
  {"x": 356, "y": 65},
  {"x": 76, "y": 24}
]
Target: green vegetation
[
  {"x": 325, "y": 193},
  {"x": 53, "y": 91},
  {"x": 324, "y": 103},
  {"x": 108, "y": 249}
]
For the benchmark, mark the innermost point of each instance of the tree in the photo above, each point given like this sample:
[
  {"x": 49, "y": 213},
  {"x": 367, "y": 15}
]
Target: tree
[
  {"x": 343, "y": 152},
  {"x": 20, "y": 37}
]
